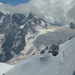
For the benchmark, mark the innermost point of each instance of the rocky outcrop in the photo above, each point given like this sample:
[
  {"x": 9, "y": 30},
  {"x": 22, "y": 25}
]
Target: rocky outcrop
[{"x": 72, "y": 25}]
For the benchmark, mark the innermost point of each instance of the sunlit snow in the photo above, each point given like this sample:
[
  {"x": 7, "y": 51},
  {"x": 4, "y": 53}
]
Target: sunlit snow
[{"x": 46, "y": 64}]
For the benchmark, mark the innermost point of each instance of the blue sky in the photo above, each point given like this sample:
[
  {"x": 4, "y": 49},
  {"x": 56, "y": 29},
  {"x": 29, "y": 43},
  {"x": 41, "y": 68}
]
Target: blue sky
[{"x": 14, "y": 2}]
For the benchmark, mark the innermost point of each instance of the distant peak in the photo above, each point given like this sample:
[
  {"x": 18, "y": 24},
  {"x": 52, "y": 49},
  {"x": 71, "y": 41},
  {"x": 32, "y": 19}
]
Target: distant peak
[
  {"x": 30, "y": 15},
  {"x": 72, "y": 25}
]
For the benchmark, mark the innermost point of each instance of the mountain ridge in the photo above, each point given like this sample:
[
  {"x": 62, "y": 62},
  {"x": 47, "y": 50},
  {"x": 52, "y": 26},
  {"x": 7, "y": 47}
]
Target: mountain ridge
[
  {"x": 42, "y": 64},
  {"x": 23, "y": 35}
]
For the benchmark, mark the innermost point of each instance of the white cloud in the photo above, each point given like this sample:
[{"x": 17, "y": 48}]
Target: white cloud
[
  {"x": 71, "y": 13},
  {"x": 50, "y": 10}
]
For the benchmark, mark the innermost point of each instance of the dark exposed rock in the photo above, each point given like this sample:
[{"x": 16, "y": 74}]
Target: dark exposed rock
[
  {"x": 72, "y": 25},
  {"x": 74, "y": 73},
  {"x": 7, "y": 18},
  {"x": 3, "y": 74},
  {"x": 42, "y": 52},
  {"x": 30, "y": 16},
  {"x": 54, "y": 53},
  {"x": 54, "y": 49},
  {"x": 18, "y": 18},
  {"x": 1, "y": 14},
  {"x": 33, "y": 54},
  {"x": 46, "y": 48}
]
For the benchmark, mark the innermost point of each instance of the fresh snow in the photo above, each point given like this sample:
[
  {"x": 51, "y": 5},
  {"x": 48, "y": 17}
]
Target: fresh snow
[
  {"x": 4, "y": 68},
  {"x": 46, "y": 64},
  {"x": 68, "y": 65},
  {"x": 1, "y": 20},
  {"x": 21, "y": 27},
  {"x": 42, "y": 23},
  {"x": 37, "y": 65}
]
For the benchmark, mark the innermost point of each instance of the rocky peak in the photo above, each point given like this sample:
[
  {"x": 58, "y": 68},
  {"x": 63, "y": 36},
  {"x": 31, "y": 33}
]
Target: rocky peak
[
  {"x": 72, "y": 25},
  {"x": 1, "y": 14},
  {"x": 18, "y": 18},
  {"x": 30, "y": 16}
]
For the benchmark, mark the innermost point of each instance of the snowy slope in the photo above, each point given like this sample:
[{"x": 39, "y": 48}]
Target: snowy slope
[
  {"x": 37, "y": 65},
  {"x": 4, "y": 68},
  {"x": 46, "y": 64},
  {"x": 68, "y": 65}
]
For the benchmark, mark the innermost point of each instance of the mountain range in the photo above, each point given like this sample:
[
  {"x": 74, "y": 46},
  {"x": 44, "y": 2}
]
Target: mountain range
[{"x": 23, "y": 35}]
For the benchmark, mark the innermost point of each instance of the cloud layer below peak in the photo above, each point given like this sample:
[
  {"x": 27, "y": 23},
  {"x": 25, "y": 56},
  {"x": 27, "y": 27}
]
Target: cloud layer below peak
[{"x": 59, "y": 12}]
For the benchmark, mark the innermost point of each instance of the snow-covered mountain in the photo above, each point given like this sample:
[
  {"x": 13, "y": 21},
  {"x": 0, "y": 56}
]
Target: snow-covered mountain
[
  {"x": 5, "y": 67},
  {"x": 46, "y": 64},
  {"x": 23, "y": 35},
  {"x": 13, "y": 30}
]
